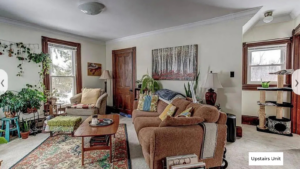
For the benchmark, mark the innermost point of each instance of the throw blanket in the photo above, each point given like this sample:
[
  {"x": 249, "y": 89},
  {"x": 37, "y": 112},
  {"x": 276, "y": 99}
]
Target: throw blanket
[
  {"x": 209, "y": 142},
  {"x": 167, "y": 94}
]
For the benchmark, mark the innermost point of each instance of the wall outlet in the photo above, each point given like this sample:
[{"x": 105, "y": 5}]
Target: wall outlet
[{"x": 232, "y": 74}]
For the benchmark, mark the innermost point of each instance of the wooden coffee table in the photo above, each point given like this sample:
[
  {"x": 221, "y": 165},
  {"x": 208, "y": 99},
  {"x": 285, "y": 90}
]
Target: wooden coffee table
[{"x": 85, "y": 130}]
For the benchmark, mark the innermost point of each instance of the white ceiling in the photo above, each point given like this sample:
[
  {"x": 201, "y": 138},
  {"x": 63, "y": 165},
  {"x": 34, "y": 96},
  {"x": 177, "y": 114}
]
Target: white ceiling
[{"x": 130, "y": 17}]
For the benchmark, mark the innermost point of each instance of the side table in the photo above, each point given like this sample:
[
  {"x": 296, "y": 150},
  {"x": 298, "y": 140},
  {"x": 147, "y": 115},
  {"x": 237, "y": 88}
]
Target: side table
[{"x": 6, "y": 122}]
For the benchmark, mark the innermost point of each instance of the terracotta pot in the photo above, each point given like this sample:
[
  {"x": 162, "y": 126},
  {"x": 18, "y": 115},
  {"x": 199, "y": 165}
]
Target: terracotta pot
[
  {"x": 32, "y": 110},
  {"x": 10, "y": 114},
  {"x": 24, "y": 135}
]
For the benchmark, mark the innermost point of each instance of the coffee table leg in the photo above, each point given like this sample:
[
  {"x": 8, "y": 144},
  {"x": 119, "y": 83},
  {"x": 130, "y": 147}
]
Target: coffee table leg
[
  {"x": 110, "y": 144},
  {"x": 82, "y": 151}
]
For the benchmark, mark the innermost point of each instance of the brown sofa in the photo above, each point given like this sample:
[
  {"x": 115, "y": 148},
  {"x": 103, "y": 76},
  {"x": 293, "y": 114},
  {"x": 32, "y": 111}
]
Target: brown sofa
[{"x": 161, "y": 142}]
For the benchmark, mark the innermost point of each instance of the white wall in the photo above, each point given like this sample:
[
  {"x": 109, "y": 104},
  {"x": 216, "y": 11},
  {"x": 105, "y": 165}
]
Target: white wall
[
  {"x": 220, "y": 47},
  {"x": 91, "y": 51},
  {"x": 261, "y": 33}
]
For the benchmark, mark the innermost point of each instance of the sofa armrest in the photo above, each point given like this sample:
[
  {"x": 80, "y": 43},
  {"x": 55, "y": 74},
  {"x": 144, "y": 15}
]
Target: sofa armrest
[
  {"x": 76, "y": 98},
  {"x": 222, "y": 118},
  {"x": 185, "y": 140},
  {"x": 101, "y": 103}
]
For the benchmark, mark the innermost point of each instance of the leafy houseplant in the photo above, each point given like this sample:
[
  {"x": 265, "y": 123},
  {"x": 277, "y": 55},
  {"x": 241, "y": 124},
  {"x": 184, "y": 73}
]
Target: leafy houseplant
[
  {"x": 2, "y": 139},
  {"x": 25, "y": 129},
  {"x": 32, "y": 99},
  {"x": 10, "y": 104},
  {"x": 187, "y": 88},
  {"x": 149, "y": 83}
]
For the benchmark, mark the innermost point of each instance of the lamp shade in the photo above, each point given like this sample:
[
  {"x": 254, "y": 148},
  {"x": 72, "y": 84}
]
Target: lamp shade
[
  {"x": 212, "y": 81},
  {"x": 105, "y": 75}
]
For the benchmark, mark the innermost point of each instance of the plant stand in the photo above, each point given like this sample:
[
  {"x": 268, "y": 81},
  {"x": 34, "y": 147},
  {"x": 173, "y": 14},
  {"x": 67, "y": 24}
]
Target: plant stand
[
  {"x": 276, "y": 124},
  {"x": 6, "y": 122}
]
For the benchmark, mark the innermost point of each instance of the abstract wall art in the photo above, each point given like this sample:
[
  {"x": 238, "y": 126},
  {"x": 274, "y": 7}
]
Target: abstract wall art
[
  {"x": 175, "y": 63},
  {"x": 94, "y": 69}
]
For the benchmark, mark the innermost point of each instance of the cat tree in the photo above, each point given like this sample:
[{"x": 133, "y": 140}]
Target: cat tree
[{"x": 276, "y": 124}]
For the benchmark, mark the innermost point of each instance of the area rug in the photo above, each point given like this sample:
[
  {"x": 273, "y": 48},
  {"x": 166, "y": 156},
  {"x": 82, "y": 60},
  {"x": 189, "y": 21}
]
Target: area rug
[{"x": 64, "y": 151}]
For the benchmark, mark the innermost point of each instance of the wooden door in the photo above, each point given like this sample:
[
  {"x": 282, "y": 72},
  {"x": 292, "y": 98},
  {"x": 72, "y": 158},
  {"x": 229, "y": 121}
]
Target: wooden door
[{"x": 124, "y": 77}]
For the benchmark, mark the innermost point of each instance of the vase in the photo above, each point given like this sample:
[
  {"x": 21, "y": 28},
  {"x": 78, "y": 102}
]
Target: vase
[
  {"x": 9, "y": 114},
  {"x": 24, "y": 135}
]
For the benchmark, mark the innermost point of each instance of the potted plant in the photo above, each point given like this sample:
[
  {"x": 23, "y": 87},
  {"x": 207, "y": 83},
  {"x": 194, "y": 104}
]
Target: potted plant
[
  {"x": 32, "y": 99},
  {"x": 148, "y": 83},
  {"x": 25, "y": 129},
  {"x": 2, "y": 139},
  {"x": 10, "y": 104},
  {"x": 187, "y": 88}
]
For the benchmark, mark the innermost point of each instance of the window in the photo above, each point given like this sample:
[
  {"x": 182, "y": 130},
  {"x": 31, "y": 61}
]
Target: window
[
  {"x": 262, "y": 58},
  {"x": 65, "y": 73},
  {"x": 62, "y": 73}
]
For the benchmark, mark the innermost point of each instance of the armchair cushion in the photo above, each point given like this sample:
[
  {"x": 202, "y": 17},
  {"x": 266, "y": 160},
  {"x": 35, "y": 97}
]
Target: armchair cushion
[
  {"x": 148, "y": 103},
  {"x": 90, "y": 96},
  {"x": 180, "y": 121}
]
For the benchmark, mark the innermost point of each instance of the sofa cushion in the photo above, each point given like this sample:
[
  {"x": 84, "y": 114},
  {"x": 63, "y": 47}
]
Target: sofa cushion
[
  {"x": 148, "y": 103},
  {"x": 90, "y": 96},
  {"x": 209, "y": 113},
  {"x": 139, "y": 113},
  {"x": 187, "y": 112},
  {"x": 142, "y": 122},
  {"x": 180, "y": 121},
  {"x": 161, "y": 105},
  {"x": 169, "y": 111},
  {"x": 181, "y": 105}
]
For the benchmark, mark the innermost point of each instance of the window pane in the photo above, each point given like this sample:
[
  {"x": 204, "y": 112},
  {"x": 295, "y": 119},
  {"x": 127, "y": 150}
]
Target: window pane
[
  {"x": 262, "y": 73},
  {"x": 266, "y": 57},
  {"x": 62, "y": 63},
  {"x": 64, "y": 87}
]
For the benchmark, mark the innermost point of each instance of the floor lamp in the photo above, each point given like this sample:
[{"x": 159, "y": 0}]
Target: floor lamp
[{"x": 105, "y": 76}]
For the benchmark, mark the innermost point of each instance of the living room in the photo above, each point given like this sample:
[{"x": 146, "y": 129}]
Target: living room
[{"x": 133, "y": 63}]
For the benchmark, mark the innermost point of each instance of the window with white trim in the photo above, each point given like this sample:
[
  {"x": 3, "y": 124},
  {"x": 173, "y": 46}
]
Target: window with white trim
[
  {"x": 265, "y": 59},
  {"x": 62, "y": 73}
]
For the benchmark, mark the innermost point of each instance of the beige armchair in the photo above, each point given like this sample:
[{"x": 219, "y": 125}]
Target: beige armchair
[{"x": 84, "y": 113}]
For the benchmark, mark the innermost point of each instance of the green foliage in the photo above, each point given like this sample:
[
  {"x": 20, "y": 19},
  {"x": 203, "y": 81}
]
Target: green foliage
[
  {"x": 25, "y": 125},
  {"x": 26, "y": 98},
  {"x": 195, "y": 82},
  {"x": 149, "y": 83},
  {"x": 2, "y": 139}
]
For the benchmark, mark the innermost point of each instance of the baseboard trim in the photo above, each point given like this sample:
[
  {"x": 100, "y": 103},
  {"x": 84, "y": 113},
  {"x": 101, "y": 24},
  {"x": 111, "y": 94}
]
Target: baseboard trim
[{"x": 250, "y": 120}]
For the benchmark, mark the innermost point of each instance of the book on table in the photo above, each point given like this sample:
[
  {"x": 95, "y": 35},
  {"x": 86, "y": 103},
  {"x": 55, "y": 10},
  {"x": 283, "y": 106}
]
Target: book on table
[{"x": 99, "y": 140}]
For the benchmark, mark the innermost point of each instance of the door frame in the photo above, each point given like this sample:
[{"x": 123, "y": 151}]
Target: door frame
[{"x": 119, "y": 51}]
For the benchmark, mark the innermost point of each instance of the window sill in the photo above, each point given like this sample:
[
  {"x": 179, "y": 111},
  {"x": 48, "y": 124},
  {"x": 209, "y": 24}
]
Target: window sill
[{"x": 254, "y": 86}]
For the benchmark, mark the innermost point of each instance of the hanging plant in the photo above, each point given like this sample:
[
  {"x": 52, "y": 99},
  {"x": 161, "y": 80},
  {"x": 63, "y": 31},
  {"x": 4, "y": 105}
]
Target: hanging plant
[{"x": 24, "y": 53}]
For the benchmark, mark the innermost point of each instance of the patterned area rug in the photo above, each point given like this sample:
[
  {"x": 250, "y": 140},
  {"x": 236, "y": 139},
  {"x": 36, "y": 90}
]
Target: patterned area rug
[{"x": 64, "y": 151}]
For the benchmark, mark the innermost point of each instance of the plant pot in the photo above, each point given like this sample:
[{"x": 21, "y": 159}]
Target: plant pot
[
  {"x": 24, "y": 135},
  {"x": 9, "y": 114},
  {"x": 31, "y": 110}
]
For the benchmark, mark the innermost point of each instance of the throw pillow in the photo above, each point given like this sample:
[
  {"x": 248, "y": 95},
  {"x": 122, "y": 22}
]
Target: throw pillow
[
  {"x": 148, "y": 103},
  {"x": 169, "y": 111},
  {"x": 186, "y": 112},
  {"x": 90, "y": 96},
  {"x": 181, "y": 121}
]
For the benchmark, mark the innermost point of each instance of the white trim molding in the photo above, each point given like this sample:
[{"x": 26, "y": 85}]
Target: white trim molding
[
  {"x": 41, "y": 28},
  {"x": 231, "y": 16}
]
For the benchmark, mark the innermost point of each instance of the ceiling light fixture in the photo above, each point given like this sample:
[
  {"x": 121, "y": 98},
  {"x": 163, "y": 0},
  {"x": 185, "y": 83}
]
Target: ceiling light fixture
[
  {"x": 91, "y": 8},
  {"x": 268, "y": 17}
]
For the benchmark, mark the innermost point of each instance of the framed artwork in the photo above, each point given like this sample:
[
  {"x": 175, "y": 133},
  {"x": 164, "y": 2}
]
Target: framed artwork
[
  {"x": 175, "y": 63},
  {"x": 94, "y": 69}
]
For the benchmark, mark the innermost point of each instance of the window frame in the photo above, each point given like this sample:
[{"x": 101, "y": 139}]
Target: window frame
[
  {"x": 246, "y": 46},
  {"x": 77, "y": 67}
]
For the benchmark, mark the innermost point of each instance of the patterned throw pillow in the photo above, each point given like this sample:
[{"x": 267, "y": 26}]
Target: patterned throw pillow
[
  {"x": 147, "y": 103},
  {"x": 169, "y": 111},
  {"x": 186, "y": 112}
]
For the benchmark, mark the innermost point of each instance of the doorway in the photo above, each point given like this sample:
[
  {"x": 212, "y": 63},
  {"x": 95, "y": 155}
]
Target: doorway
[{"x": 124, "y": 78}]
